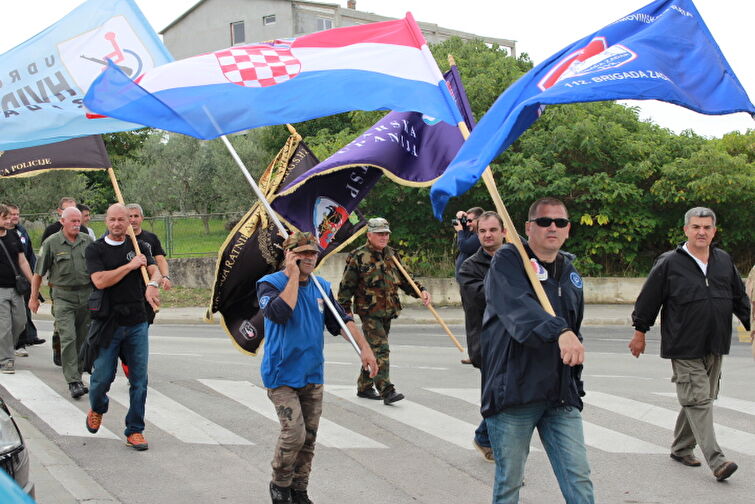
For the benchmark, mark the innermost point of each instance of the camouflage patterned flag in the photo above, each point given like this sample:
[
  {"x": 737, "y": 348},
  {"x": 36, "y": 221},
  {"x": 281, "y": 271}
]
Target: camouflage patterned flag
[{"x": 252, "y": 250}]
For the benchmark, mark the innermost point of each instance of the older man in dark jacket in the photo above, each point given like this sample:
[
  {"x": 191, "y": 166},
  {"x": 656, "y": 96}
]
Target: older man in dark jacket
[
  {"x": 532, "y": 360},
  {"x": 471, "y": 277},
  {"x": 699, "y": 288}
]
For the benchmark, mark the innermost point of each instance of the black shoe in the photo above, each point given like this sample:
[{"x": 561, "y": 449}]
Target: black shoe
[
  {"x": 368, "y": 393},
  {"x": 300, "y": 497},
  {"x": 392, "y": 397},
  {"x": 38, "y": 341},
  {"x": 280, "y": 495},
  {"x": 77, "y": 389}
]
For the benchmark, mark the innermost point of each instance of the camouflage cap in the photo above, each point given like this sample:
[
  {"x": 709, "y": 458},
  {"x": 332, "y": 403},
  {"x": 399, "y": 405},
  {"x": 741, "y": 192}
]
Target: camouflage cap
[
  {"x": 300, "y": 242},
  {"x": 378, "y": 225}
]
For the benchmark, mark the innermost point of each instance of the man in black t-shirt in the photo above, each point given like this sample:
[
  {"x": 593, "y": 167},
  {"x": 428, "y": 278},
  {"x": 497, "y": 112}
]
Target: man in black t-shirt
[
  {"x": 12, "y": 309},
  {"x": 135, "y": 218},
  {"x": 114, "y": 266}
]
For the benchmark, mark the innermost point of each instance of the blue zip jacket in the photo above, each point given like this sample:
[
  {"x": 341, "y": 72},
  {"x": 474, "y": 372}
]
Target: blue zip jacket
[{"x": 521, "y": 360}]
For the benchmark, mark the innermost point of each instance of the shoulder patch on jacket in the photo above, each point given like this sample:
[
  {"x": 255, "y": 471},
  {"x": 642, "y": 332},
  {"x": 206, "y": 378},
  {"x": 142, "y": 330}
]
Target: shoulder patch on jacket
[{"x": 576, "y": 279}]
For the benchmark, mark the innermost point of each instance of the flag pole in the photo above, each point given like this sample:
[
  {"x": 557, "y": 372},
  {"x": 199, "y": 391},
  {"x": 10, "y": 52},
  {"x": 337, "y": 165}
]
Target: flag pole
[
  {"x": 282, "y": 230},
  {"x": 429, "y": 305},
  {"x": 130, "y": 230},
  {"x": 512, "y": 236}
]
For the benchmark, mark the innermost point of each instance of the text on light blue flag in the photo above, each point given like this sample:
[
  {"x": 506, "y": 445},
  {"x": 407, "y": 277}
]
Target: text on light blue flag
[
  {"x": 662, "y": 51},
  {"x": 43, "y": 80}
]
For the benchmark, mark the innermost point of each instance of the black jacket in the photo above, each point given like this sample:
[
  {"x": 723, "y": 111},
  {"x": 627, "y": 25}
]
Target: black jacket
[
  {"x": 697, "y": 308},
  {"x": 471, "y": 278},
  {"x": 521, "y": 360},
  {"x": 468, "y": 243}
]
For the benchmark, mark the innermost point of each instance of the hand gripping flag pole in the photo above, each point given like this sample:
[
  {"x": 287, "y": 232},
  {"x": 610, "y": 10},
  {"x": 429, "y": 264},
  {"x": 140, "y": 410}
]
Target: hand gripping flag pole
[
  {"x": 512, "y": 236},
  {"x": 284, "y": 233},
  {"x": 429, "y": 305}
]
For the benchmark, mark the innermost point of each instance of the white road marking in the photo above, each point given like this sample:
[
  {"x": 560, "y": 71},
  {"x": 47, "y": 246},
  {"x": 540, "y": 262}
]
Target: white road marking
[
  {"x": 730, "y": 403},
  {"x": 329, "y": 434},
  {"x": 596, "y": 436},
  {"x": 414, "y": 415},
  {"x": 727, "y": 437},
  {"x": 53, "y": 409},
  {"x": 176, "y": 419}
]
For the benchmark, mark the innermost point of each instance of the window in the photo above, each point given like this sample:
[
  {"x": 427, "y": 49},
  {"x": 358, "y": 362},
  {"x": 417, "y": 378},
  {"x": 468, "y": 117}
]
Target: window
[
  {"x": 324, "y": 24},
  {"x": 268, "y": 20},
  {"x": 237, "y": 33}
]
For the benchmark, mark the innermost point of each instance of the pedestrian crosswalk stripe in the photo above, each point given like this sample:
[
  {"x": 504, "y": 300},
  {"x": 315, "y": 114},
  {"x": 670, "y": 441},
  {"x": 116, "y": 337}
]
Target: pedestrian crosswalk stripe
[
  {"x": 727, "y": 437},
  {"x": 176, "y": 419},
  {"x": 731, "y": 403},
  {"x": 414, "y": 415},
  {"x": 597, "y": 436},
  {"x": 329, "y": 434},
  {"x": 52, "y": 408}
]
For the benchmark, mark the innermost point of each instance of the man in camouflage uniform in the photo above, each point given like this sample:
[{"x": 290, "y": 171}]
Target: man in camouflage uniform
[{"x": 372, "y": 279}]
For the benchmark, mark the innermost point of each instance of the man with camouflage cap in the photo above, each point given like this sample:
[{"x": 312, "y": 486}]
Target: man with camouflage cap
[
  {"x": 292, "y": 364},
  {"x": 372, "y": 279}
]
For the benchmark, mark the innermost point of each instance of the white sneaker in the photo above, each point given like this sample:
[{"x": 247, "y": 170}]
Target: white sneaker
[
  {"x": 8, "y": 367},
  {"x": 22, "y": 352}
]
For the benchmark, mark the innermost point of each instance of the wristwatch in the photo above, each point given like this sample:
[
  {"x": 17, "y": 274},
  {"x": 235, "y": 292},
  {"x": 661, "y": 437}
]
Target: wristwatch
[{"x": 153, "y": 284}]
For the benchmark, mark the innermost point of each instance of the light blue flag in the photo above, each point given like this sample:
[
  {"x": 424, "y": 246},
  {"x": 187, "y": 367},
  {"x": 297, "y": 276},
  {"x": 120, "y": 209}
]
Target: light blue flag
[
  {"x": 662, "y": 51},
  {"x": 43, "y": 80}
]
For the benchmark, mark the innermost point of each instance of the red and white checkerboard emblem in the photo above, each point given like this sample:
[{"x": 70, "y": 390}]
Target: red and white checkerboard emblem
[{"x": 258, "y": 65}]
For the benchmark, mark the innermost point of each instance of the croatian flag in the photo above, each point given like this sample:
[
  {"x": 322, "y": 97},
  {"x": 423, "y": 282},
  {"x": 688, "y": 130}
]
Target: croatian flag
[
  {"x": 375, "y": 66},
  {"x": 662, "y": 51}
]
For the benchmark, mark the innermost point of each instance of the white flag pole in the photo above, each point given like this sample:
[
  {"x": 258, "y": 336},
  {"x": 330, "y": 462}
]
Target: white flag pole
[{"x": 283, "y": 232}]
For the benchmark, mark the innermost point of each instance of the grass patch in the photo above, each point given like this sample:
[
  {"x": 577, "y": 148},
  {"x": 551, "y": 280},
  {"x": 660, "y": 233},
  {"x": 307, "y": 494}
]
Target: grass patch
[{"x": 177, "y": 297}]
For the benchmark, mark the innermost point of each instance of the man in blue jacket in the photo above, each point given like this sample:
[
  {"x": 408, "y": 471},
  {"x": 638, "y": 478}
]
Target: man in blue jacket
[
  {"x": 292, "y": 365},
  {"x": 699, "y": 288},
  {"x": 532, "y": 361}
]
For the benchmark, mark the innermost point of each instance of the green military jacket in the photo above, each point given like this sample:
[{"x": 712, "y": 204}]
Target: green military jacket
[
  {"x": 64, "y": 261},
  {"x": 372, "y": 279}
]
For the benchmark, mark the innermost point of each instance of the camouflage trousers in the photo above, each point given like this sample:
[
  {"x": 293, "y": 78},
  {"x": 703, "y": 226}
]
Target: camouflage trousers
[
  {"x": 376, "y": 333},
  {"x": 299, "y": 411}
]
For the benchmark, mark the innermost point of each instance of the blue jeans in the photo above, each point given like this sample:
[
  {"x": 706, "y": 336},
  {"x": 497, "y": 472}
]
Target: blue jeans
[
  {"x": 560, "y": 429},
  {"x": 131, "y": 342},
  {"x": 481, "y": 435}
]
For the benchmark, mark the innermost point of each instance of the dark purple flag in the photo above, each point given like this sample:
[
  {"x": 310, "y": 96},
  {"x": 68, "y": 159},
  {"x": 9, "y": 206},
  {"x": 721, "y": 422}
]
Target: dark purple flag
[{"x": 410, "y": 148}]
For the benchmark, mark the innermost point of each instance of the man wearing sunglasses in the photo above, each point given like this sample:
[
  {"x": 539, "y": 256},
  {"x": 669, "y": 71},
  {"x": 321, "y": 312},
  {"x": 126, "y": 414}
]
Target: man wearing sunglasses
[{"x": 532, "y": 361}]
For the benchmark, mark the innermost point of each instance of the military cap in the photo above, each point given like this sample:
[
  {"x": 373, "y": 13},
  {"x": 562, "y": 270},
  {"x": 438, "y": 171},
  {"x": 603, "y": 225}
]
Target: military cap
[
  {"x": 300, "y": 242},
  {"x": 378, "y": 225}
]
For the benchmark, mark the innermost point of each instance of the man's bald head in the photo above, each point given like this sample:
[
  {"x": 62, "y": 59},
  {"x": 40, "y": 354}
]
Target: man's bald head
[{"x": 116, "y": 219}]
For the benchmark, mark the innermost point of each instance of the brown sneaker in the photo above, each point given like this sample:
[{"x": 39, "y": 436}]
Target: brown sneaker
[
  {"x": 725, "y": 470},
  {"x": 688, "y": 460},
  {"x": 485, "y": 451},
  {"x": 137, "y": 441},
  {"x": 94, "y": 420}
]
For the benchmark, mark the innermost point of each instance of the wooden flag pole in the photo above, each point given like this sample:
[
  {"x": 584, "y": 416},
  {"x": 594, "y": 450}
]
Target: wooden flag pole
[
  {"x": 429, "y": 305},
  {"x": 512, "y": 236},
  {"x": 119, "y": 197}
]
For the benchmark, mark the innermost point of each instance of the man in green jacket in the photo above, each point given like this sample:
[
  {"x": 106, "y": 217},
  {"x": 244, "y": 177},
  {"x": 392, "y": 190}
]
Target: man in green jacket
[{"x": 62, "y": 259}]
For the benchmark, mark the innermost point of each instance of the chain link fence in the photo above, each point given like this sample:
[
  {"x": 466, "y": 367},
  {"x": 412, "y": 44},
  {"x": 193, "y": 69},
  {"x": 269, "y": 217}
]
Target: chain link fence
[{"x": 190, "y": 235}]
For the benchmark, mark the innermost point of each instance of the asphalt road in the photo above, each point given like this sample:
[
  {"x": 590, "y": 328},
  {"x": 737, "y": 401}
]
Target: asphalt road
[{"x": 212, "y": 434}]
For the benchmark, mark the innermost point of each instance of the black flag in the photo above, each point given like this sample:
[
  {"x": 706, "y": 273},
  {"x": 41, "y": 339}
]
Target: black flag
[
  {"x": 253, "y": 250},
  {"x": 85, "y": 153}
]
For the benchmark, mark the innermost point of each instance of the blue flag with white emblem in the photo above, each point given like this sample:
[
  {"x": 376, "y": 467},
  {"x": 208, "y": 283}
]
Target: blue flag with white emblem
[
  {"x": 662, "y": 51},
  {"x": 43, "y": 80}
]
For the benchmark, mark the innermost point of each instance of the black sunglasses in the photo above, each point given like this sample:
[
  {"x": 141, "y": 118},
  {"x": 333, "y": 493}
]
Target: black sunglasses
[{"x": 547, "y": 221}]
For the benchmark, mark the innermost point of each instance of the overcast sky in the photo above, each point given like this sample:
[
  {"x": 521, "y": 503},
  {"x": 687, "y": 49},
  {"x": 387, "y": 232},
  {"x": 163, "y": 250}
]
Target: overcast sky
[{"x": 540, "y": 28}]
